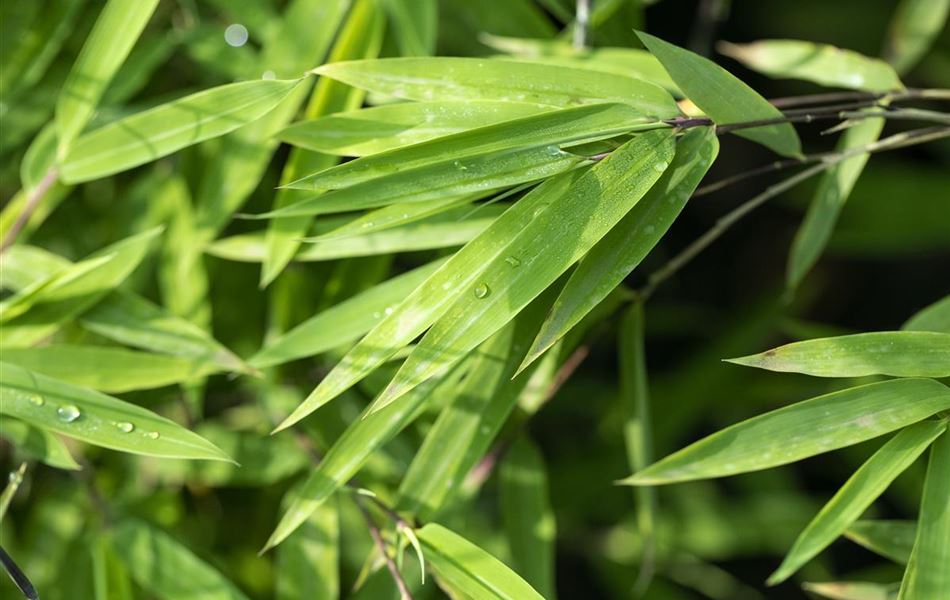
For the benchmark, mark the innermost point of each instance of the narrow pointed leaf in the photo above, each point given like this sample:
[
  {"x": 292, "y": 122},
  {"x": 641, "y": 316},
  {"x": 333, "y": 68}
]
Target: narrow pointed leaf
[
  {"x": 154, "y": 133},
  {"x": 395, "y": 215},
  {"x": 559, "y": 235},
  {"x": 914, "y": 28},
  {"x": 37, "y": 443},
  {"x": 802, "y": 430},
  {"x": 848, "y": 590},
  {"x": 308, "y": 561},
  {"x": 935, "y": 317},
  {"x": 464, "y": 79},
  {"x": 465, "y": 566},
  {"x": 820, "y": 63},
  {"x": 890, "y": 539},
  {"x": 164, "y": 567},
  {"x": 115, "y": 32},
  {"x": 383, "y": 128},
  {"x": 96, "y": 418},
  {"x": 895, "y": 353},
  {"x": 860, "y": 491},
  {"x": 628, "y": 243},
  {"x": 560, "y": 128},
  {"x": 722, "y": 96},
  {"x": 927, "y": 576}
]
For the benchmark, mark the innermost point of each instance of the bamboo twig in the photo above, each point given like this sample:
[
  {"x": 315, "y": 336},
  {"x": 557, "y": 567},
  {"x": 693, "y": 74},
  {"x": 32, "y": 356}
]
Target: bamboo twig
[
  {"x": 374, "y": 532},
  {"x": 32, "y": 202}
]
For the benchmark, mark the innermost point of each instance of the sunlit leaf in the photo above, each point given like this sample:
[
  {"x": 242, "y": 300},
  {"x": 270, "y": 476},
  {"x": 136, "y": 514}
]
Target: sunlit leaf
[
  {"x": 896, "y": 353},
  {"x": 846, "y": 590},
  {"x": 858, "y": 493},
  {"x": 820, "y": 63},
  {"x": 802, "y": 430},
  {"x": 96, "y": 418},
  {"x": 722, "y": 96},
  {"x": 891, "y": 539}
]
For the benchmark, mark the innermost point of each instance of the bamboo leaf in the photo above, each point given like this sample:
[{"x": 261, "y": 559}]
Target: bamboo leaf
[
  {"x": 927, "y": 575},
  {"x": 935, "y": 317},
  {"x": 115, "y": 32},
  {"x": 415, "y": 25},
  {"x": 801, "y": 430},
  {"x": 391, "y": 126},
  {"x": 528, "y": 516},
  {"x": 37, "y": 443},
  {"x": 154, "y": 133},
  {"x": 559, "y": 235},
  {"x": 465, "y": 566},
  {"x": 847, "y": 590},
  {"x": 834, "y": 188},
  {"x": 104, "y": 368},
  {"x": 465, "y": 79},
  {"x": 860, "y": 491},
  {"x": 164, "y": 567},
  {"x": 913, "y": 30},
  {"x": 341, "y": 324},
  {"x": 819, "y": 63},
  {"x": 890, "y": 539},
  {"x": 722, "y": 96},
  {"x": 628, "y": 243},
  {"x": 895, "y": 353},
  {"x": 307, "y": 562},
  {"x": 96, "y": 418}
]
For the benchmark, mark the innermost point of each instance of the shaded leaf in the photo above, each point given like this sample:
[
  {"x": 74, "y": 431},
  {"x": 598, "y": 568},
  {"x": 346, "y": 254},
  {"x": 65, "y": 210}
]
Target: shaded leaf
[
  {"x": 847, "y": 590},
  {"x": 913, "y": 29},
  {"x": 307, "y": 562},
  {"x": 935, "y": 317},
  {"x": 890, "y": 539},
  {"x": 37, "y": 443}
]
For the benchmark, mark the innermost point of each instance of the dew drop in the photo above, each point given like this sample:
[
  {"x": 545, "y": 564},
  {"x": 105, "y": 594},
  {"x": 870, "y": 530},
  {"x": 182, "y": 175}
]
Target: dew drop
[
  {"x": 481, "y": 291},
  {"x": 367, "y": 225},
  {"x": 236, "y": 35},
  {"x": 511, "y": 260},
  {"x": 125, "y": 427},
  {"x": 460, "y": 166},
  {"x": 660, "y": 166},
  {"x": 388, "y": 311},
  {"x": 15, "y": 478},
  {"x": 152, "y": 435},
  {"x": 554, "y": 150},
  {"x": 67, "y": 413},
  {"x": 37, "y": 400}
]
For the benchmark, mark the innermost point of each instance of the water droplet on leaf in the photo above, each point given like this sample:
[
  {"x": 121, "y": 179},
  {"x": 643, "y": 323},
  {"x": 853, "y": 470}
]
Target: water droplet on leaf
[
  {"x": 125, "y": 427},
  {"x": 37, "y": 400},
  {"x": 481, "y": 290},
  {"x": 511, "y": 260},
  {"x": 67, "y": 413},
  {"x": 152, "y": 435},
  {"x": 660, "y": 166}
]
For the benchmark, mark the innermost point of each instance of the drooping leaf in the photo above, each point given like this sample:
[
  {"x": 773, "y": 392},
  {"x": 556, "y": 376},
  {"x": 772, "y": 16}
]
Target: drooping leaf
[
  {"x": 895, "y": 353},
  {"x": 801, "y": 430},
  {"x": 630, "y": 240},
  {"x": 556, "y": 128},
  {"x": 37, "y": 443},
  {"x": 115, "y": 32},
  {"x": 96, "y": 418},
  {"x": 464, "y": 79},
  {"x": 157, "y": 132},
  {"x": 819, "y": 63},
  {"x": 890, "y": 539},
  {"x": 383, "y": 128},
  {"x": 104, "y": 368},
  {"x": 935, "y": 317},
  {"x": 860, "y": 491},
  {"x": 558, "y": 235},
  {"x": 927, "y": 575},
  {"x": 528, "y": 516},
  {"x": 164, "y": 567},
  {"x": 833, "y": 189},
  {"x": 913, "y": 29},
  {"x": 467, "y": 567},
  {"x": 722, "y": 96}
]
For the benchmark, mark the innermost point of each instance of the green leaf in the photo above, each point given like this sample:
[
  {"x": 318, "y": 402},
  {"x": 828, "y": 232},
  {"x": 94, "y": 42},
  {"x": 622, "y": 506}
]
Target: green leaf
[
  {"x": 466, "y": 79},
  {"x": 441, "y": 231},
  {"x": 722, "y": 96},
  {"x": 465, "y": 566},
  {"x": 847, "y": 590},
  {"x": 620, "y": 251},
  {"x": 913, "y": 30},
  {"x": 157, "y": 132},
  {"x": 415, "y": 25},
  {"x": 164, "y": 567},
  {"x": 927, "y": 575},
  {"x": 37, "y": 443},
  {"x": 819, "y": 63},
  {"x": 391, "y": 126},
  {"x": 557, "y": 128},
  {"x": 394, "y": 215},
  {"x": 96, "y": 418},
  {"x": 832, "y": 192},
  {"x": 558, "y": 235},
  {"x": 861, "y": 490},
  {"x": 527, "y": 515},
  {"x": 115, "y": 32},
  {"x": 895, "y": 353},
  {"x": 935, "y": 317},
  {"x": 341, "y": 324},
  {"x": 890, "y": 539},
  {"x": 812, "y": 427},
  {"x": 307, "y": 562}
]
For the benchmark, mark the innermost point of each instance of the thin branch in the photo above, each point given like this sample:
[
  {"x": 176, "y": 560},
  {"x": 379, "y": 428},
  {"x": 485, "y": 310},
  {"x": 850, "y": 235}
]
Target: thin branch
[
  {"x": 32, "y": 202},
  {"x": 909, "y": 94},
  {"x": 381, "y": 546}
]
